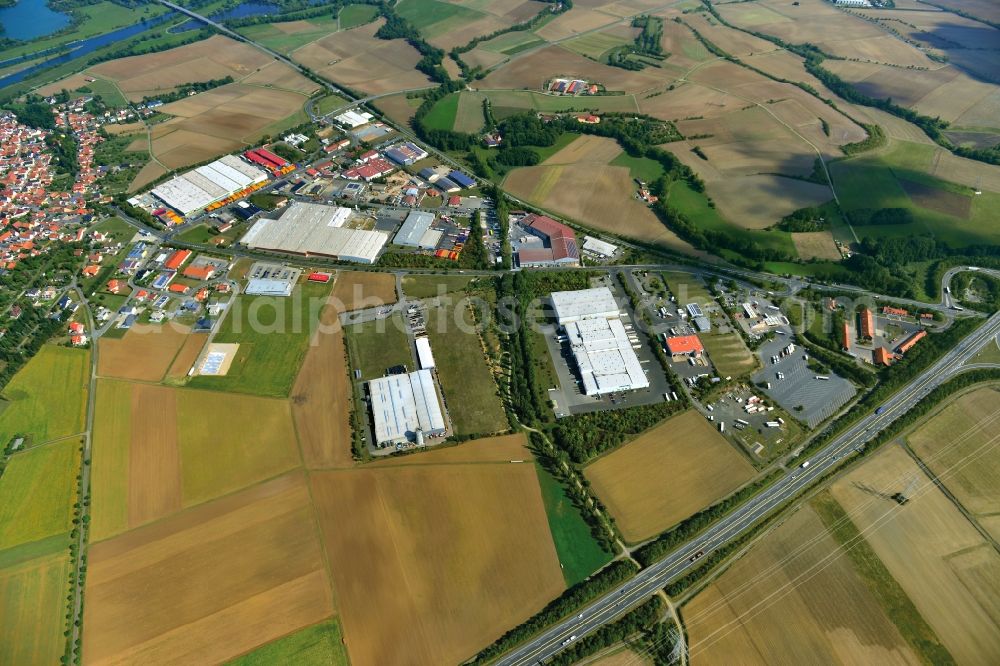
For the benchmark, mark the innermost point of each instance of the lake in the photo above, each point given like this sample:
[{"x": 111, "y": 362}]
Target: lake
[{"x": 29, "y": 19}]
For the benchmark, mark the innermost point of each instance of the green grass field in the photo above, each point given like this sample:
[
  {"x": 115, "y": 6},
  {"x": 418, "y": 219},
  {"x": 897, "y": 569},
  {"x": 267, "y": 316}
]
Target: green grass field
[
  {"x": 46, "y": 399},
  {"x": 877, "y": 180},
  {"x": 377, "y": 345},
  {"x": 442, "y": 114},
  {"x": 37, "y": 492},
  {"x": 433, "y": 18},
  {"x": 352, "y": 16},
  {"x": 466, "y": 380},
  {"x": 254, "y": 442},
  {"x": 110, "y": 459},
  {"x": 426, "y": 286},
  {"x": 273, "y": 334},
  {"x": 318, "y": 645},
  {"x": 728, "y": 353},
  {"x": 695, "y": 206},
  {"x": 687, "y": 289},
  {"x": 595, "y": 45},
  {"x": 512, "y": 42},
  {"x": 509, "y": 102},
  {"x": 643, "y": 168},
  {"x": 32, "y": 607},
  {"x": 109, "y": 92},
  {"x": 328, "y": 103},
  {"x": 578, "y": 553}
]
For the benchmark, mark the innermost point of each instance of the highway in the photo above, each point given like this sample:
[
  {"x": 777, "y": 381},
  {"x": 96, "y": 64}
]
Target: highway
[{"x": 648, "y": 581}]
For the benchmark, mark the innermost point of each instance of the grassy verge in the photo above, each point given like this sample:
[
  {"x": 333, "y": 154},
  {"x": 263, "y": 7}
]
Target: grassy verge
[
  {"x": 579, "y": 554},
  {"x": 375, "y": 346},
  {"x": 318, "y": 645}
]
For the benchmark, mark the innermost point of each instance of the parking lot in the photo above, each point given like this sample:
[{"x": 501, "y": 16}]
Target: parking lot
[
  {"x": 750, "y": 431},
  {"x": 809, "y": 399}
]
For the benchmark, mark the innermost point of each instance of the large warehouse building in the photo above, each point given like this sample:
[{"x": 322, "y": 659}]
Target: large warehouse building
[
  {"x": 600, "y": 344},
  {"x": 201, "y": 187},
  {"x": 416, "y": 231},
  {"x": 405, "y": 408},
  {"x": 311, "y": 229},
  {"x": 570, "y": 306}
]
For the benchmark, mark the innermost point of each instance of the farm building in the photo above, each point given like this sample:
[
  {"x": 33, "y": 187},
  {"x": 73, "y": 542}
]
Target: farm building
[
  {"x": 269, "y": 287},
  {"x": 405, "y": 407},
  {"x": 424, "y": 355},
  {"x": 311, "y": 229},
  {"x": 416, "y": 231},
  {"x": 560, "y": 239},
  {"x": 680, "y": 346},
  {"x": 604, "y": 356},
  {"x": 196, "y": 189},
  {"x": 570, "y": 306},
  {"x": 406, "y": 153}
]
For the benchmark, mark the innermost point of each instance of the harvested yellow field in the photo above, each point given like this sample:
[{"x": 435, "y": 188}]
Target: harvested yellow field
[
  {"x": 597, "y": 197},
  {"x": 816, "y": 245},
  {"x": 586, "y": 148},
  {"x": 356, "y": 290},
  {"x": 667, "y": 474},
  {"x": 966, "y": 429},
  {"x": 212, "y": 58},
  {"x": 928, "y": 546},
  {"x": 788, "y": 602},
  {"x": 145, "y": 353},
  {"x": 573, "y": 23},
  {"x": 208, "y": 584},
  {"x": 321, "y": 399},
  {"x": 502, "y": 449},
  {"x": 357, "y": 59},
  {"x": 158, "y": 449},
  {"x": 443, "y": 559},
  {"x": 531, "y": 71}
]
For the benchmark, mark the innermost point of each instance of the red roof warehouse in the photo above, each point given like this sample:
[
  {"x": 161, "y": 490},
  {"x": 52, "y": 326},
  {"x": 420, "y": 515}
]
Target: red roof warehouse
[
  {"x": 176, "y": 259},
  {"x": 684, "y": 344}
]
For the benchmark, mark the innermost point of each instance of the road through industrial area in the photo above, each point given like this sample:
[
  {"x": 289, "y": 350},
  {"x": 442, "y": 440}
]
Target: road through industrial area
[{"x": 652, "y": 579}]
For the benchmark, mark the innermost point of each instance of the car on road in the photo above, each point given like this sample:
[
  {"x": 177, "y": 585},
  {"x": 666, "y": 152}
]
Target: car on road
[
  {"x": 569, "y": 640},
  {"x": 696, "y": 556}
]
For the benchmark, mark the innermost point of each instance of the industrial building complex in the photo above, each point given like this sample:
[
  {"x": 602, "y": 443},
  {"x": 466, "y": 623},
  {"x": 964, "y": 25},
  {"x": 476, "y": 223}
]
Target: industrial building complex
[
  {"x": 416, "y": 231},
  {"x": 601, "y": 348},
  {"x": 560, "y": 241},
  {"x": 200, "y": 188},
  {"x": 311, "y": 229},
  {"x": 406, "y": 408}
]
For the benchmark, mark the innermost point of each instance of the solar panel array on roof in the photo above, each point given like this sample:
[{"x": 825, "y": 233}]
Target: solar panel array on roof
[{"x": 461, "y": 179}]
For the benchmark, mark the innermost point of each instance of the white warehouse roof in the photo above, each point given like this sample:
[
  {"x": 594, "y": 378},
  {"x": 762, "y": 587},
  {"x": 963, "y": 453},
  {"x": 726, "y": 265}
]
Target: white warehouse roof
[
  {"x": 199, "y": 187},
  {"x": 413, "y": 229},
  {"x": 404, "y": 404},
  {"x": 573, "y": 306},
  {"x": 315, "y": 229},
  {"x": 424, "y": 355},
  {"x": 353, "y": 118},
  {"x": 269, "y": 287},
  {"x": 605, "y": 357},
  {"x": 597, "y": 246}
]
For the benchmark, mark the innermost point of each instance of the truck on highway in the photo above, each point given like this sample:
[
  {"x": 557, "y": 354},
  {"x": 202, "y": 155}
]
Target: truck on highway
[{"x": 804, "y": 465}]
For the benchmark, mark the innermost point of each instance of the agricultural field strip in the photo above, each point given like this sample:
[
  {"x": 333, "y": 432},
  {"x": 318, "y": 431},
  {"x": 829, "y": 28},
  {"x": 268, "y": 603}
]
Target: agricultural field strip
[
  {"x": 651, "y": 579},
  {"x": 927, "y": 486}
]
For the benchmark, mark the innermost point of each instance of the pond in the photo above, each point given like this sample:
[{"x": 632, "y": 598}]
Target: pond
[{"x": 29, "y": 19}]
